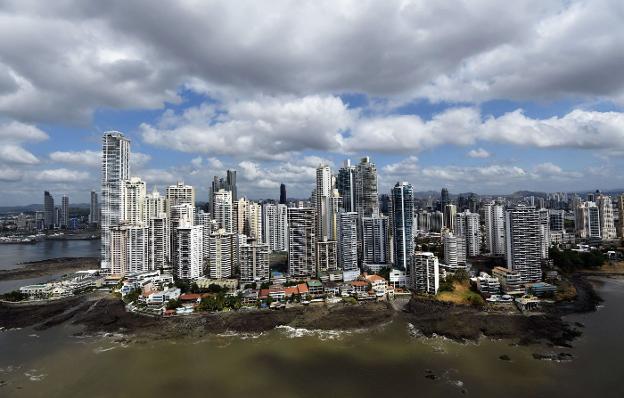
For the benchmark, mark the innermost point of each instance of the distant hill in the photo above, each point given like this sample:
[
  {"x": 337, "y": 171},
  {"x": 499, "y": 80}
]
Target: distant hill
[{"x": 38, "y": 207}]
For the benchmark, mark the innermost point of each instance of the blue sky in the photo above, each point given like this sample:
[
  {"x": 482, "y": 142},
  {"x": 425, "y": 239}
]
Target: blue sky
[{"x": 474, "y": 96}]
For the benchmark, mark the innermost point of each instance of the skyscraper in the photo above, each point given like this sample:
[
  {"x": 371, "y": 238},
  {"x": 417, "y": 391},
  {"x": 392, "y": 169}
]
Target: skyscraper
[
  {"x": 180, "y": 194},
  {"x": 402, "y": 219},
  {"x": 375, "y": 242},
  {"x": 322, "y": 202},
  {"x": 222, "y": 254},
  {"x": 230, "y": 180},
  {"x": 134, "y": 192},
  {"x": 283, "y": 197},
  {"x": 223, "y": 213},
  {"x": 64, "y": 219},
  {"x": 347, "y": 242},
  {"x": 605, "y": 209},
  {"x": 494, "y": 228},
  {"x": 345, "y": 183},
  {"x": 523, "y": 243},
  {"x": 544, "y": 232},
  {"x": 301, "y": 242},
  {"x": 424, "y": 273},
  {"x": 48, "y": 210},
  {"x": 94, "y": 209},
  {"x": 115, "y": 169},
  {"x": 189, "y": 251},
  {"x": 467, "y": 226},
  {"x": 366, "y": 195},
  {"x": 275, "y": 226},
  {"x": 254, "y": 262},
  {"x": 444, "y": 199},
  {"x": 450, "y": 211}
]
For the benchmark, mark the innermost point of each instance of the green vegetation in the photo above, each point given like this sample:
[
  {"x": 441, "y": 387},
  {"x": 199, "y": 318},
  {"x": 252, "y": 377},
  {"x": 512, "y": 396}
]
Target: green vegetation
[
  {"x": 349, "y": 300},
  {"x": 219, "y": 302},
  {"x": 14, "y": 296},
  {"x": 448, "y": 284},
  {"x": 212, "y": 288},
  {"x": 265, "y": 285},
  {"x": 569, "y": 260},
  {"x": 132, "y": 296},
  {"x": 384, "y": 273},
  {"x": 173, "y": 304}
]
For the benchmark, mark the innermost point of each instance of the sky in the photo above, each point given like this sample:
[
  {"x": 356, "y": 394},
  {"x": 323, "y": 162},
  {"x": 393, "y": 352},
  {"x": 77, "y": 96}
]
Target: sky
[{"x": 481, "y": 96}]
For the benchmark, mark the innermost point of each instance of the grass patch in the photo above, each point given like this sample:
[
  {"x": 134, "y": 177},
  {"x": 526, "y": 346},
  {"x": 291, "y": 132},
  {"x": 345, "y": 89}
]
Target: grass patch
[{"x": 461, "y": 295}]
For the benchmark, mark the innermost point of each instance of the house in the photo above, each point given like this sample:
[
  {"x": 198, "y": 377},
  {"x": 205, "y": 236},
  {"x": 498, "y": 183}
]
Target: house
[
  {"x": 332, "y": 289},
  {"x": 540, "y": 289},
  {"x": 510, "y": 280},
  {"x": 315, "y": 288},
  {"x": 487, "y": 284},
  {"x": 190, "y": 298},
  {"x": 303, "y": 289},
  {"x": 397, "y": 278},
  {"x": 277, "y": 292},
  {"x": 378, "y": 283},
  {"x": 359, "y": 286},
  {"x": 249, "y": 298},
  {"x": 161, "y": 297}
]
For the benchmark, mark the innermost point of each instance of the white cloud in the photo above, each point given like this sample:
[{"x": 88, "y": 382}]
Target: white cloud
[
  {"x": 82, "y": 158},
  {"x": 61, "y": 175},
  {"x": 15, "y": 154},
  {"x": 479, "y": 153},
  {"x": 264, "y": 128},
  {"x": 10, "y": 175},
  {"x": 16, "y": 132}
]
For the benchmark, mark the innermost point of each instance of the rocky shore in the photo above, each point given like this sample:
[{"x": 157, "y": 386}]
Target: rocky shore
[
  {"x": 49, "y": 267},
  {"x": 100, "y": 312}
]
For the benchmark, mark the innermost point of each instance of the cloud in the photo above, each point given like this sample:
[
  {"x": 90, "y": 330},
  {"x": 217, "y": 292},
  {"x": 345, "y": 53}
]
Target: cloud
[
  {"x": 93, "y": 159},
  {"x": 15, "y": 154},
  {"x": 115, "y": 56},
  {"x": 16, "y": 132},
  {"x": 264, "y": 128},
  {"x": 10, "y": 175},
  {"x": 479, "y": 153},
  {"x": 60, "y": 175}
]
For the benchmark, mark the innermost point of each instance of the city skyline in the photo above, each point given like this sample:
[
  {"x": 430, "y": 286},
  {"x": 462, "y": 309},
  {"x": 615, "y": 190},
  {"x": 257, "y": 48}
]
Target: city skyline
[{"x": 493, "y": 118}]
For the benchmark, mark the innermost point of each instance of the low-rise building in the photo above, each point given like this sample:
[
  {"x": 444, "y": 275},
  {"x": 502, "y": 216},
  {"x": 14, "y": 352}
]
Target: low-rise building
[
  {"x": 540, "y": 289},
  {"x": 487, "y": 284},
  {"x": 378, "y": 283},
  {"x": 397, "y": 278},
  {"x": 315, "y": 288},
  {"x": 162, "y": 297},
  {"x": 510, "y": 280},
  {"x": 230, "y": 283}
]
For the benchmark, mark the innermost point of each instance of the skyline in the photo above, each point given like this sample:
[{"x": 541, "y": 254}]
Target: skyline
[{"x": 468, "y": 99}]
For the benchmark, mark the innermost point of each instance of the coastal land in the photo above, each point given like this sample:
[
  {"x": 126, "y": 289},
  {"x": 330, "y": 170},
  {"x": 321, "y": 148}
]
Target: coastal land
[
  {"x": 101, "y": 312},
  {"x": 49, "y": 267}
]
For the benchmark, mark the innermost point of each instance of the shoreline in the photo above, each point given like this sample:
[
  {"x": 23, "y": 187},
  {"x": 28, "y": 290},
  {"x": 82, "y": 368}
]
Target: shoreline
[
  {"x": 49, "y": 267},
  {"x": 100, "y": 312}
]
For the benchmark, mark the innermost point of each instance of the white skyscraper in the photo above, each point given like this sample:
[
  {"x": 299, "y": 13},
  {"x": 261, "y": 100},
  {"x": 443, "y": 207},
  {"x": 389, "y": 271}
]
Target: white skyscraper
[
  {"x": 494, "y": 228},
  {"x": 137, "y": 240},
  {"x": 134, "y": 192},
  {"x": 180, "y": 215},
  {"x": 467, "y": 225},
  {"x": 180, "y": 194},
  {"x": 64, "y": 219},
  {"x": 424, "y": 273},
  {"x": 254, "y": 262},
  {"x": 222, "y": 254},
  {"x": 544, "y": 231},
  {"x": 450, "y": 213},
  {"x": 253, "y": 221},
  {"x": 222, "y": 204},
  {"x": 275, "y": 226},
  {"x": 523, "y": 242},
  {"x": 189, "y": 251},
  {"x": 607, "y": 225},
  {"x": 454, "y": 249},
  {"x": 115, "y": 169},
  {"x": 347, "y": 242},
  {"x": 322, "y": 202},
  {"x": 154, "y": 205}
]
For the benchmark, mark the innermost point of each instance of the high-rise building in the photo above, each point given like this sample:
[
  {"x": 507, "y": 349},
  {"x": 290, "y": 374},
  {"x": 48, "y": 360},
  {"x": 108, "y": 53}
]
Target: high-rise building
[
  {"x": 444, "y": 199},
  {"x": 94, "y": 209},
  {"x": 180, "y": 194},
  {"x": 454, "y": 249},
  {"x": 450, "y": 212},
  {"x": 254, "y": 262},
  {"x": 301, "y": 242},
  {"x": 557, "y": 220},
  {"x": 494, "y": 228},
  {"x": 375, "y": 242},
  {"x": 64, "y": 219},
  {"x": 347, "y": 241},
  {"x": 154, "y": 205},
  {"x": 159, "y": 246},
  {"x": 621, "y": 216},
  {"x": 402, "y": 219},
  {"x": 180, "y": 216},
  {"x": 467, "y": 226},
  {"x": 138, "y": 250},
  {"x": 544, "y": 232},
  {"x": 523, "y": 242},
  {"x": 230, "y": 179},
  {"x": 189, "y": 251},
  {"x": 423, "y": 275},
  {"x": 366, "y": 195},
  {"x": 115, "y": 170},
  {"x": 48, "y": 210},
  {"x": 593, "y": 221},
  {"x": 322, "y": 202},
  {"x": 222, "y": 254},
  {"x": 227, "y": 184},
  {"x": 327, "y": 257},
  {"x": 134, "y": 192},
  {"x": 253, "y": 221},
  {"x": 607, "y": 224},
  {"x": 275, "y": 226},
  {"x": 118, "y": 255},
  {"x": 436, "y": 221},
  {"x": 345, "y": 183},
  {"x": 283, "y": 198},
  {"x": 222, "y": 204}
]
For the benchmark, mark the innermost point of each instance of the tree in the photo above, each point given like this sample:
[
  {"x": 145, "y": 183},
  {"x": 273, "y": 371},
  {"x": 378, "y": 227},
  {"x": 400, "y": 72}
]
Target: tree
[
  {"x": 173, "y": 304},
  {"x": 133, "y": 295},
  {"x": 446, "y": 285},
  {"x": 15, "y": 295},
  {"x": 461, "y": 276}
]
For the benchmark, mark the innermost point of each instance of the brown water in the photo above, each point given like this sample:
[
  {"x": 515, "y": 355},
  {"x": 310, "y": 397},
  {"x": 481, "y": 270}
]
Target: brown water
[{"x": 293, "y": 363}]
